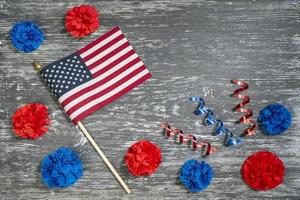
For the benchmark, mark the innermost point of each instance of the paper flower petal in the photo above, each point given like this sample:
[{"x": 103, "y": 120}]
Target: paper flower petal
[
  {"x": 26, "y": 36},
  {"x": 274, "y": 119},
  {"x": 30, "y": 121},
  {"x": 61, "y": 168},
  {"x": 82, "y": 21},
  {"x": 143, "y": 158},
  {"x": 196, "y": 176},
  {"x": 263, "y": 170}
]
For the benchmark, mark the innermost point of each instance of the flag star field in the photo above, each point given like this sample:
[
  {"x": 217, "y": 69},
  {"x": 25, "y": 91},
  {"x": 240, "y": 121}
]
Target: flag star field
[{"x": 66, "y": 74}]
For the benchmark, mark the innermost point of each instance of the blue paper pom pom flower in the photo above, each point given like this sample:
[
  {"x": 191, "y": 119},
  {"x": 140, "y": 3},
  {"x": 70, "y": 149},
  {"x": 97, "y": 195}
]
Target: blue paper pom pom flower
[
  {"x": 195, "y": 176},
  {"x": 61, "y": 168},
  {"x": 274, "y": 119},
  {"x": 26, "y": 36}
]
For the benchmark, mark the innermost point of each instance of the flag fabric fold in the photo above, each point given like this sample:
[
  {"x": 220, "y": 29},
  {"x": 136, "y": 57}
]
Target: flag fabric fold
[{"x": 95, "y": 75}]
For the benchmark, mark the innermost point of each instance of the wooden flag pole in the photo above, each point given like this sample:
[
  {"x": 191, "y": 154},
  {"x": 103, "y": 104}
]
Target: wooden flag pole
[
  {"x": 38, "y": 67},
  {"x": 104, "y": 158}
]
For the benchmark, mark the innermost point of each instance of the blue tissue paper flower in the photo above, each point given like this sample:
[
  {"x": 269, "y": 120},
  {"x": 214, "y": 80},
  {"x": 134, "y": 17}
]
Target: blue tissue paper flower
[
  {"x": 195, "y": 176},
  {"x": 26, "y": 36},
  {"x": 61, "y": 168},
  {"x": 274, "y": 119}
]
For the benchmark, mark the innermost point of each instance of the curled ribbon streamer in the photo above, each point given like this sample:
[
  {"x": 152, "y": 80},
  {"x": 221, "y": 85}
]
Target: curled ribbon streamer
[
  {"x": 210, "y": 119},
  {"x": 181, "y": 138},
  {"x": 246, "y": 119}
]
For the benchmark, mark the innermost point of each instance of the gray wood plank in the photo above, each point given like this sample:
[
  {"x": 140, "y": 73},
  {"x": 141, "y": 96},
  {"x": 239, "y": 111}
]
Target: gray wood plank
[{"x": 192, "y": 48}]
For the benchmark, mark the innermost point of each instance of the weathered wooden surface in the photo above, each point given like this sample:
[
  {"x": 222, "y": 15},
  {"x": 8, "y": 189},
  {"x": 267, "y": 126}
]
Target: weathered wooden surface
[{"x": 191, "y": 48}]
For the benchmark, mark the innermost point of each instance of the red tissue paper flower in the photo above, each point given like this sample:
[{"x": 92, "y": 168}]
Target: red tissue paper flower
[
  {"x": 82, "y": 21},
  {"x": 263, "y": 170},
  {"x": 143, "y": 158},
  {"x": 30, "y": 121}
]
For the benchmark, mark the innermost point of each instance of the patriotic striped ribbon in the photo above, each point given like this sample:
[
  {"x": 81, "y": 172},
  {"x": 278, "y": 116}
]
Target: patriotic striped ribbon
[
  {"x": 181, "y": 138},
  {"x": 246, "y": 119},
  {"x": 209, "y": 120}
]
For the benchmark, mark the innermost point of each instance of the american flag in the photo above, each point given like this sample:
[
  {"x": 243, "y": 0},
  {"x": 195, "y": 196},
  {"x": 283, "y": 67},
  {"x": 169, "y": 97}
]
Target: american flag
[{"x": 96, "y": 75}]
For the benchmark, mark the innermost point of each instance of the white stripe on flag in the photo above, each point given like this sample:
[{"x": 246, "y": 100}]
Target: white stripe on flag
[
  {"x": 102, "y": 87},
  {"x": 106, "y": 51},
  {"x": 109, "y": 94},
  {"x": 111, "y": 59},
  {"x": 100, "y": 44},
  {"x": 97, "y": 79}
]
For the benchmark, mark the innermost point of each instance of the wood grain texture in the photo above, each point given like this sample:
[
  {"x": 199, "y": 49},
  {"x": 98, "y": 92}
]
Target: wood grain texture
[{"x": 192, "y": 48}]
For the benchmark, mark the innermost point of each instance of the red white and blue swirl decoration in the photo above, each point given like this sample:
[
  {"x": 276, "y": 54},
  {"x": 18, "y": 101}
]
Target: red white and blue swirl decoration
[
  {"x": 210, "y": 119},
  {"x": 246, "y": 119},
  {"x": 181, "y": 138}
]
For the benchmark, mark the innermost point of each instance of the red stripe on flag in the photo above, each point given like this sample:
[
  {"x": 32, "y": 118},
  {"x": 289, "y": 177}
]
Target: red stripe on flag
[
  {"x": 106, "y": 90},
  {"x": 103, "y": 48},
  {"x": 109, "y": 55},
  {"x": 99, "y": 83},
  {"x": 100, "y": 39},
  {"x": 114, "y": 63},
  {"x": 111, "y": 99}
]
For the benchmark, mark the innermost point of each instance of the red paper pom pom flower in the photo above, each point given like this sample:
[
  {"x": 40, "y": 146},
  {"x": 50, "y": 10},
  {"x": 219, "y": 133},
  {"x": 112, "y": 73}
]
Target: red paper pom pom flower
[
  {"x": 263, "y": 171},
  {"x": 30, "y": 121},
  {"x": 82, "y": 21},
  {"x": 143, "y": 158}
]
